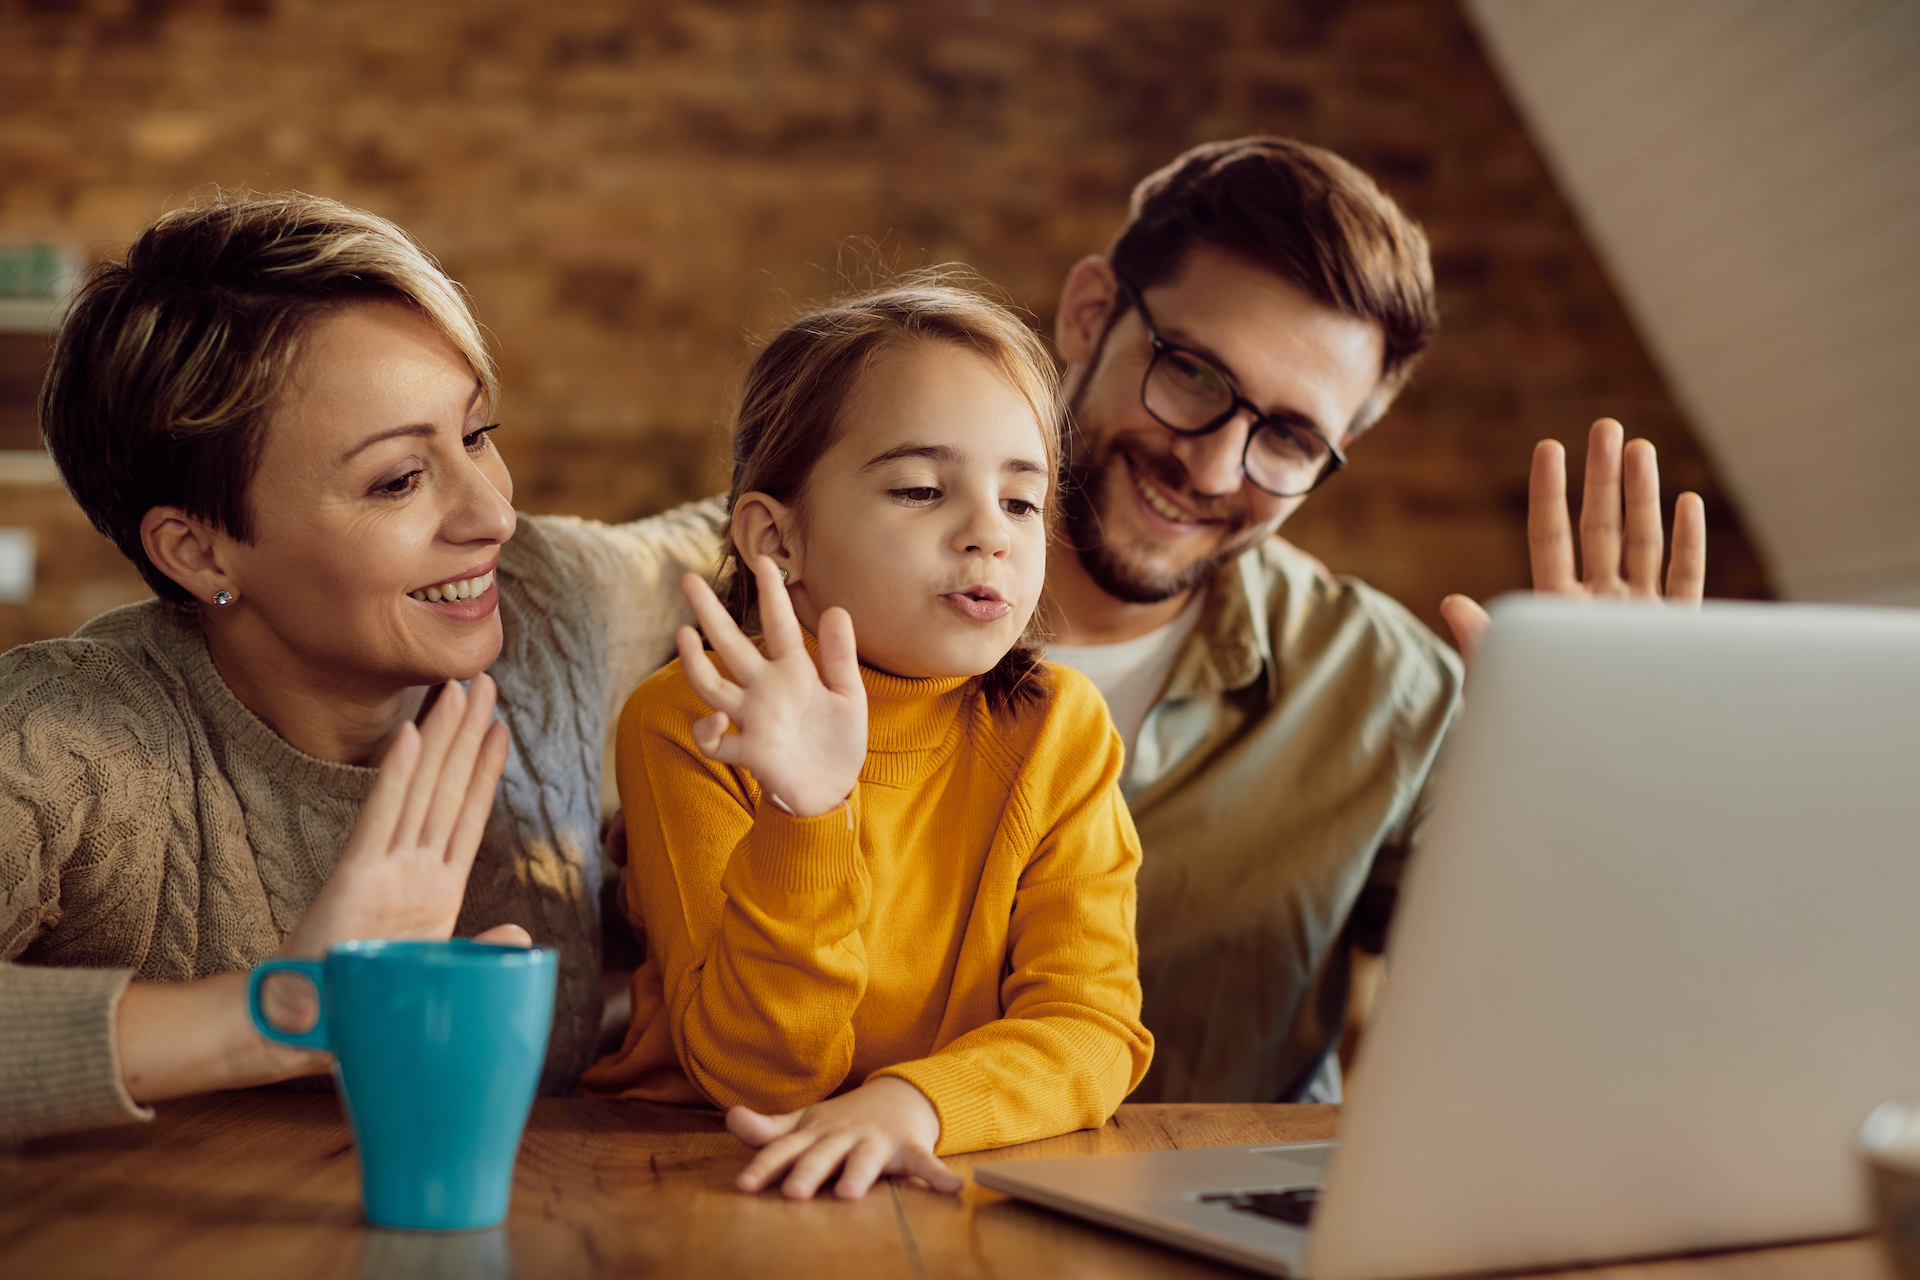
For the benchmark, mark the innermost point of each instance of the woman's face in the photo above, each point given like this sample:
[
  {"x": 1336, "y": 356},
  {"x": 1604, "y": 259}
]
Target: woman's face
[
  {"x": 378, "y": 490},
  {"x": 923, "y": 520}
]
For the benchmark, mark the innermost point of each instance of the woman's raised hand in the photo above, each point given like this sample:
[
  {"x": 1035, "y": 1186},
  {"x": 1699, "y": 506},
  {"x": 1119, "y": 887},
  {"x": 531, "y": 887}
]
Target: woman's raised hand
[
  {"x": 1620, "y": 557},
  {"x": 802, "y": 729},
  {"x": 404, "y": 870}
]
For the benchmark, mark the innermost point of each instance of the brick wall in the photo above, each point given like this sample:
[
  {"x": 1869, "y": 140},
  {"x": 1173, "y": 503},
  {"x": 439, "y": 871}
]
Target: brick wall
[{"x": 630, "y": 189}]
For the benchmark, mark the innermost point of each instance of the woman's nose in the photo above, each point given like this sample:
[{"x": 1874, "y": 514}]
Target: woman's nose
[{"x": 483, "y": 511}]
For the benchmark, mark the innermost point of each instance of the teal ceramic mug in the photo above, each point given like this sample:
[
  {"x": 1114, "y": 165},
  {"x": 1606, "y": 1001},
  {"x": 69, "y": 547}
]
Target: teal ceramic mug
[{"x": 437, "y": 1048}]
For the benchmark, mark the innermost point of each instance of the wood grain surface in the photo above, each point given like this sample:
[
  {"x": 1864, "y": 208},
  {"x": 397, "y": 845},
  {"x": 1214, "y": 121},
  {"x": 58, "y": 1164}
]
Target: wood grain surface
[{"x": 265, "y": 1184}]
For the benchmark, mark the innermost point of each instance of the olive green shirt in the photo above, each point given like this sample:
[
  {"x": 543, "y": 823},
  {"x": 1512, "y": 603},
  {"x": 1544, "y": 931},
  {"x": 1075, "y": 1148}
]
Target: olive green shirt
[{"x": 1284, "y": 766}]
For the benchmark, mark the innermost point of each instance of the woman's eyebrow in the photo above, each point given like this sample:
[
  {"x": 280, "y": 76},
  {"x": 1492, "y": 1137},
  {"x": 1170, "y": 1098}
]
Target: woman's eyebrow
[{"x": 411, "y": 428}]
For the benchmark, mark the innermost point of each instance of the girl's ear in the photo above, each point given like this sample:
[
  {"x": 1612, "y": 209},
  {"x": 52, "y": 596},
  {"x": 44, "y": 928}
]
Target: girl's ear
[
  {"x": 765, "y": 526},
  {"x": 1086, "y": 301}
]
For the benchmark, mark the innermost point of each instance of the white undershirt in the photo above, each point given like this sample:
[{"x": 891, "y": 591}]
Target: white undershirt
[{"x": 1131, "y": 674}]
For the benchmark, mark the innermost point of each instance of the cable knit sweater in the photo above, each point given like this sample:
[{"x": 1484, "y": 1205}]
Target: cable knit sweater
[{"x": 152, "y": 827}]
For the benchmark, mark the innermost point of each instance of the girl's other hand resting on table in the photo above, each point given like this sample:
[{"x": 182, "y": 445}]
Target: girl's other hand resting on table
[
  {"x": 802, "y": 729},
  {"x": 886, "y": 1126}
]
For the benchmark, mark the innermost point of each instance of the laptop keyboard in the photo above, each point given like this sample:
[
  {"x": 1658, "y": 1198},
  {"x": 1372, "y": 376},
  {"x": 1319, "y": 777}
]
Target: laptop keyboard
[{"x": 1291, "y": 1205}]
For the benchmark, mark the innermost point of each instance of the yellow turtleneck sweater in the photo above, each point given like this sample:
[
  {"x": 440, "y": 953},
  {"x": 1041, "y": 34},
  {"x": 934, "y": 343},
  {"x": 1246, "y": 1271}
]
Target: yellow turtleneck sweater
[{"x": 965, "y": 921}]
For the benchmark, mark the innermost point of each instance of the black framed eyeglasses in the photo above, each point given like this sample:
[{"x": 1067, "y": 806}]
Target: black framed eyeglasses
[{"x": 1185, "y": 392}]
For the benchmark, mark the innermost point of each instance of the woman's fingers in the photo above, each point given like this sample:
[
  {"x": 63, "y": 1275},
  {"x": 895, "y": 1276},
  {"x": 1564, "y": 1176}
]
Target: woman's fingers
[
  {"x": 1549, "y": 530},
  {"x": 777, "y": 621},
  {"x": 722, "y": 632},
  {"x": 463, "y": 842},
  {"x": 380, "y": 814},
  {"x": 1600, "y": 506},
  {"x": 459, "y": 768},
  {"x": 817, "y": 1164},
  {"x": 924, "y": 1164},
  {"x": 436, "y": 735},
  {"x": 1645, "y": 539},
  {"x": 506, "y": 935},
  {"x": 1687, "y": 573}
]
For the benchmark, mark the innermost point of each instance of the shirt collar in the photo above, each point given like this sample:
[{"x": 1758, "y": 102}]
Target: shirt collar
[{"x": 1231, "y": 645}]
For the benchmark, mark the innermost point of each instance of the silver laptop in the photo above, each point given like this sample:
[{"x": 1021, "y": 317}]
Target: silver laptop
[{"x": 1656, "y": 960}]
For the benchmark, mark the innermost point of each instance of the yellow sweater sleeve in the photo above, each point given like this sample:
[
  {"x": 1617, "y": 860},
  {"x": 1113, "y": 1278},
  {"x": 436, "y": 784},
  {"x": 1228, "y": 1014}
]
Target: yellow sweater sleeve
[
  {"x": 1069, "y": 1045},
  {"x": 754, "y": 916}
]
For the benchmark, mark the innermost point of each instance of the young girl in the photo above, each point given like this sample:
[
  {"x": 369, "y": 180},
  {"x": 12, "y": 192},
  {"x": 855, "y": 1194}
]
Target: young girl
[{"x": 880, "y": 858}]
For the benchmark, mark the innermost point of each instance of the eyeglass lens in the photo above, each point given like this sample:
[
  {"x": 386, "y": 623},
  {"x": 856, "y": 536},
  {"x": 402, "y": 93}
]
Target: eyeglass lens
[{"x": 1191, "y": 396}]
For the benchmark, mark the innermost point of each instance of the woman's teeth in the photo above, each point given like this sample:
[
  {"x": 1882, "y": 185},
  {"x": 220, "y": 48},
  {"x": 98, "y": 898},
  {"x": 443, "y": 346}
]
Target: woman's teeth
[
  {"x": 448, "y": 592},
  {"x": 1159, "y": 503}
]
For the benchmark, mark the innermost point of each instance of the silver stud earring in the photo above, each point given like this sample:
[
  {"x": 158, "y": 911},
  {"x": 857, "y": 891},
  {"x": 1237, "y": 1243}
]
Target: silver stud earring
[
  {"x": 784, "y": 575},
  {"x": 223, "y": 598}
]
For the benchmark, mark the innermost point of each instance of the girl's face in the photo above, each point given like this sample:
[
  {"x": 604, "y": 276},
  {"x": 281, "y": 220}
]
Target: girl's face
[{"x": 923, "y": 520}]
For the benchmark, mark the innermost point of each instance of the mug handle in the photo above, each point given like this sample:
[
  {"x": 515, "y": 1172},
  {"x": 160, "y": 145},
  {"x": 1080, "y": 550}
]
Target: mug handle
[{"x": 312, "y": 970}]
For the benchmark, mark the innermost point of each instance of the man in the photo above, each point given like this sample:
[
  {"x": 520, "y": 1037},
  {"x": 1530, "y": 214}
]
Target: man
[{"x": 1258, "y": 311}]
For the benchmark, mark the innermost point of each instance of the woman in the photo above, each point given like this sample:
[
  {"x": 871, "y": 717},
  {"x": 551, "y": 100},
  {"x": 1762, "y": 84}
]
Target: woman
[{"x": 280, "y": 410}]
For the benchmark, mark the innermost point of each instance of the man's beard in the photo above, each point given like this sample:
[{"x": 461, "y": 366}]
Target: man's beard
[{"x": 1110, "y": 568}]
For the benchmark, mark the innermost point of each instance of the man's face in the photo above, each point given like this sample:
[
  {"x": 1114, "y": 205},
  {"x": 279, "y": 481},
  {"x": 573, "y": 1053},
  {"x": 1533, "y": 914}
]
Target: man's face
[{"x": 1149, "y": 511}]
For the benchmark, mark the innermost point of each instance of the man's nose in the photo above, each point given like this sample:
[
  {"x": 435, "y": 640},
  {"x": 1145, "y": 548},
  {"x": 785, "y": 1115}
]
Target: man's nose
[{"x": 1213, "y": 460}]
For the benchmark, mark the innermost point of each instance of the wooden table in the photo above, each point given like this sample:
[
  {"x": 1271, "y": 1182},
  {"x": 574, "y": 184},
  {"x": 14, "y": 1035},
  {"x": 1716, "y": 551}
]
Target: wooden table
[{"x": 264, "y": 1184}]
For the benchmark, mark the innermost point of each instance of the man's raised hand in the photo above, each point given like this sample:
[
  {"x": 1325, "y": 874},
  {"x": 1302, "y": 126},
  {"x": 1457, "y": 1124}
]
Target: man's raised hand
[
  {"x": 1621, "y": 540},
  {"x": 802, "y": 728}
]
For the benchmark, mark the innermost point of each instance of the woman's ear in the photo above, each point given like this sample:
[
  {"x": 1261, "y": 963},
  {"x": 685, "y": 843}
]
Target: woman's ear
[
  {"x": 765, "y": 526},
  {"x": 1085, "y": 303},
  {"x": 188, "y": 550}
]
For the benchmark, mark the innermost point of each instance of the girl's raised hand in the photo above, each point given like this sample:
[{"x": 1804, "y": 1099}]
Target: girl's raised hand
[{"x": 802, "y": 729}]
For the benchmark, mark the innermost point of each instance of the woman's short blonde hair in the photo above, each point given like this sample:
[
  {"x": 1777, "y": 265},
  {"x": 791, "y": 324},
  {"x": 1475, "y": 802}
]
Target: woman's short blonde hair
[{"x": 171, "y": 360}]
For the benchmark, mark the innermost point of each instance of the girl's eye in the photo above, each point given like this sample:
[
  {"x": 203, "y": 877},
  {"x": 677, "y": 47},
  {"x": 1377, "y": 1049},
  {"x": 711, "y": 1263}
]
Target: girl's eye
[
  {"x": 919, "y": 493},
  {"x": 477, "y": 440},
  {"x": 400, "y": 484},
  {"x": 1021, "y": 507}
]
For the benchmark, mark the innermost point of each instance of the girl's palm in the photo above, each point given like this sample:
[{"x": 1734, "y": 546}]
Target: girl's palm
[{"x": 802, "y": 728}]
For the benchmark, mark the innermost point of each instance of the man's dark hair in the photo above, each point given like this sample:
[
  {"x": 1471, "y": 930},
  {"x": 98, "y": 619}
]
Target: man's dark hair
[{"x": 1306, "y": 215}]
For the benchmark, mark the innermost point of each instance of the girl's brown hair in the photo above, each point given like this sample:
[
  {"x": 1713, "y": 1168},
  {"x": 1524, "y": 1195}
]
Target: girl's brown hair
[{"x": 797, "y": 386}]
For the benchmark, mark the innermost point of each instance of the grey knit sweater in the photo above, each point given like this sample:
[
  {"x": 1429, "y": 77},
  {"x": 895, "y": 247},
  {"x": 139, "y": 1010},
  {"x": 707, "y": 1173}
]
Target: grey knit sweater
[{"x": 152, "y": 827}]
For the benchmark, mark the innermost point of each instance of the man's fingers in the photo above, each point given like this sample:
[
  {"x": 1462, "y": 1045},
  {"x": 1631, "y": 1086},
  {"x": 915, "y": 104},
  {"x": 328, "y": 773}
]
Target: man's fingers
[
  {"x": 757, "y": 1130},
  {"x": 839, "y": 661},
  {"x": 1645, "y": 540},
  {"x": 777, "y": 621},
  {"x": 1687, "y": 574},
  {"x": 722, "y": 632},
  {"x": 1600, "y": 506},
  {"x": 460, "y": 768},
  {"x": 483, "y": 783},
  {"x": 1549, "y": 530},
  {"x": 862, "y": 1167},
  {"x": 436, "y": 735},
  {"x": 816, "y": 1165},
  {"x": 1468, "y": 622},
  {"x": 924, "y": 1164}
]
